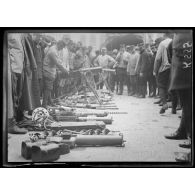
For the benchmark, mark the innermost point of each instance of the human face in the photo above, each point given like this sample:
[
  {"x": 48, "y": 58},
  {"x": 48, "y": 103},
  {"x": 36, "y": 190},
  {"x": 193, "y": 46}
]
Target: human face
[{"x": 103, "y": 52}]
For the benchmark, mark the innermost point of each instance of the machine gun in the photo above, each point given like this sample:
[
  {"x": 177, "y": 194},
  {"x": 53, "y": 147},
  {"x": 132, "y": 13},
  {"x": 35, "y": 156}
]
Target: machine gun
[{"x": 106, "y": 120}]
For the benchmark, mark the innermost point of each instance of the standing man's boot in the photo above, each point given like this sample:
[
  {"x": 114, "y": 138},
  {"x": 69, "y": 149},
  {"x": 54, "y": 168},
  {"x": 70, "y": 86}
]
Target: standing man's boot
[
  {"x": 13, "y": 129},
  {"x": 183, "y": 157},
  {"x": 163, "y": 109},
  {"x": 178, "y": 135},
  {"x": 186, "y": 144}
]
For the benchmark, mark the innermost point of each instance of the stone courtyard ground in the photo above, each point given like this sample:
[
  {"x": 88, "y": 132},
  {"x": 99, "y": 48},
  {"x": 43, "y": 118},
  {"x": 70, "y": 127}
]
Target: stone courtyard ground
[{"x": 143, "y": 129}]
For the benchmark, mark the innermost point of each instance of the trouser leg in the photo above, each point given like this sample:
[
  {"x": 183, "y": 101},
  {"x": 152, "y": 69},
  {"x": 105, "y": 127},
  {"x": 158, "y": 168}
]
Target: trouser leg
[
  {"x": 154, "y": 85},
  {"x": 143, "y": 86},
  {"x": 174, "y": 100},
  {"x": 120, "y": 80},
  {"x": 41, "y": 87},
  {"x": 150, "y": 84},
  {"x": 136, "y": 84},
  {"x": 48, "y": 87},
  {"x": 121, "y": 83},
  {"x": 129, "y": 83},
  {"x": 117, "y": 83},
  {"x": 101, "y": 85},
  {"x": 122, "y": 77},
  {"x": 111, "y": 81},
  {"x": 46, "y": 95},
  {"x": 114, "y": 81},
  {"x": 133, "y": 83},
  {"x": 186, "y": 102},
  {"x": 163, "y": 95},
  {"x": 156, "y": 79},
  {"x": 96, "y": 79}
]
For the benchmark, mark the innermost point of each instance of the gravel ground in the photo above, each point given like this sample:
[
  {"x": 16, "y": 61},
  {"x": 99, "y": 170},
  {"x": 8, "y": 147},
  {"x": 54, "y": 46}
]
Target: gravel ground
[{"x": 143, "y": 129}]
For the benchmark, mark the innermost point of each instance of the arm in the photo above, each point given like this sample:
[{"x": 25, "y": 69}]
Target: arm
[
  {"x": 129, "y": 64},
  {"x": 169, "y": 52},
  {"x": 96, "y": 61},
  {"x": 111, "y": 61},
  {"x": 137, "y": 61},
  {"x": 139, "y": 64},
  {"x": 158, "y": 60},
  {"x": 143, "y": 62},
  {"x": 54, "y": 57},
  {"x": 118, "y": 57}
]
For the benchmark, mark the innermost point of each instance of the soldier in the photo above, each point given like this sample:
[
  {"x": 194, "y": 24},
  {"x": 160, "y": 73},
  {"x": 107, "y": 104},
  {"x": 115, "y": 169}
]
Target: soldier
[
  {"x": 181, "y": 81},
  {"x": 51, "y": 63},
  {"x": 122, "y": 59},
  {"x": 144, "y": 69},
  {"x": 134, "y": 58},
  {"x": 114, "y": 76},
  {"x": 152, "y": 84}
]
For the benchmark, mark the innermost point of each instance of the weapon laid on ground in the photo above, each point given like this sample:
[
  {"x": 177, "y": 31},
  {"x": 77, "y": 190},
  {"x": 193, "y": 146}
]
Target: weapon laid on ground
[
  {"x": 105, "y": 108},
  {"x": 82, "y": 112},
  {"x": 88, "y": 106},
  {"x": 106, "y": 120},
  {"x": 76, "y": 126},
  {"x": 99, "y": 140}
]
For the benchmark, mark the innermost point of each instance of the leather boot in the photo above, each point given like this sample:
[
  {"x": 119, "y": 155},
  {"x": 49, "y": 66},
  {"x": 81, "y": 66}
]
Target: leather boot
[
  {"x": 142, "y": 96},
  {"x": 13, "y": 129},
  {"x": 158, "y": 102},
  {"x": 163, "y": 109},
  {"x": 186, "y": 144},
  {"x": 174, "y": 111},
  {"x": 131, "y": 94},
  {"x": 178, "y": 135},
  {"x": 183, "y": 157}
]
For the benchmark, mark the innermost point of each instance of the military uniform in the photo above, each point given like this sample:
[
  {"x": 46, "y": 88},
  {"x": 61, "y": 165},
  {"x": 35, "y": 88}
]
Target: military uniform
[
  {"x": 50, "y": 65},
  {"x": 181, "y": 80},
  {"x": 122, "y": 59}
]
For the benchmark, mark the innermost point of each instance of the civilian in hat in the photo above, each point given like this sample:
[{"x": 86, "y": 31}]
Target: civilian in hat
[
  {"x": 122, "y": 59},
  {"x": 152, "y": 83},
  {"x": 144, "y": 69},
  {"x": 131, "y": 70}
]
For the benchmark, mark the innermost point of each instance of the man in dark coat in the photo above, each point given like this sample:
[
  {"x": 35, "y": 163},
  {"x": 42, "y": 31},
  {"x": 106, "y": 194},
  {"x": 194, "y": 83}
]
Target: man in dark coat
[
  {"x": 152, "y": 83},
  {"x": 145, "y": 66},
  {"x": 181, "y": 81}
]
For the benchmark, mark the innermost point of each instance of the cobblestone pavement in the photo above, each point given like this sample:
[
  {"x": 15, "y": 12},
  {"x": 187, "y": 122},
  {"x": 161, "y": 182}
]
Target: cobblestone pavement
[{"x": 143, "y": 129}]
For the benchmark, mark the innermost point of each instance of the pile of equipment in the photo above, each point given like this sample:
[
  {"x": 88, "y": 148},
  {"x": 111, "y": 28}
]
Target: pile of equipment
[{"x": 77, "y": 120}]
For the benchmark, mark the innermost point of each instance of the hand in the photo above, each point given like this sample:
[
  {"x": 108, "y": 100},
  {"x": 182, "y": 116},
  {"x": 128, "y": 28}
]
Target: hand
[
  {"x": 141, "y": 74},
  {"x": 154, "y": 73}
]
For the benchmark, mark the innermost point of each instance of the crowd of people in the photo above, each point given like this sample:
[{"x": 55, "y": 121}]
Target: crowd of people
[{"x": 40, "y": 69}]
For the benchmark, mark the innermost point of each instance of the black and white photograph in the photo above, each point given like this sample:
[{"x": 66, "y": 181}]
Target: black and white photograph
[{"x": 98, "y": 95}]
